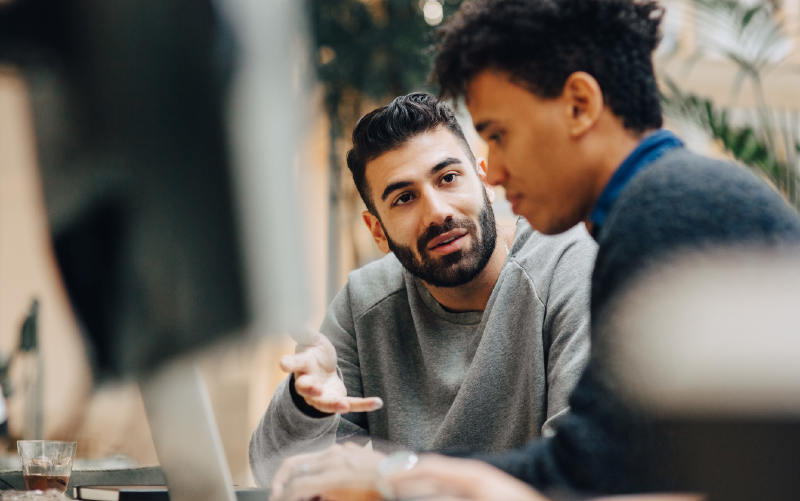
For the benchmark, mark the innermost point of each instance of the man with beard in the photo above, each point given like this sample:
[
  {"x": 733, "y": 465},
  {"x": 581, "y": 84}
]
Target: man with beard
[
  {"x": 565, "y": 95},
  {"x": 467, "y": 336}
]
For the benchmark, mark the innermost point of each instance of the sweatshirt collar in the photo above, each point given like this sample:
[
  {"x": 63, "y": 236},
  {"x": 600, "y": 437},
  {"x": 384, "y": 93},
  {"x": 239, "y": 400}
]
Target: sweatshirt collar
[{"x": 650, "y": 149}]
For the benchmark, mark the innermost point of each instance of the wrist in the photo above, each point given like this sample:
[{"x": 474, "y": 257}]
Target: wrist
[{"x": 305, "y": 407}]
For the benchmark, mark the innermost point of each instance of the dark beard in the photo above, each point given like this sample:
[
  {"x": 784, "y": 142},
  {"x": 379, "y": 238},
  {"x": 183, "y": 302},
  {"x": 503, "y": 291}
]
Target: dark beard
[{"x": 456, "y": 268}]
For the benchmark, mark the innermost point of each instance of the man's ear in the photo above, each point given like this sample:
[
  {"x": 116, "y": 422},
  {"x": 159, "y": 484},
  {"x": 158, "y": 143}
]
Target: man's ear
[
  {"x": 584, "y": 100},
  {"x": 481, "y": 167},
  {"x": 376, "y": 229}
]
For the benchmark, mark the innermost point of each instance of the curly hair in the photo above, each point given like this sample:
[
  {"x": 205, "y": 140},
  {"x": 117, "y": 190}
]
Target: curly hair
[
  {"x": 539, "y": 43},
  {"x": 390, "y": 127}
]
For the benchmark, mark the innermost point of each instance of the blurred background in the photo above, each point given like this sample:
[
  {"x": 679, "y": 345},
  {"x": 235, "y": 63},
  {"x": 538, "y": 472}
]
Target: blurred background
[{"x": 729, "y": 73}]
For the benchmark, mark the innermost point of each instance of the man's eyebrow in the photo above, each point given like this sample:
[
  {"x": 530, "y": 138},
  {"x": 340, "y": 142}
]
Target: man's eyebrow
[
  {"x": 394, "y": 187},
  {"x": 402, "y": 184},
  {"x": 444, "y": 163},
  {"x": 480, "y": 127}
]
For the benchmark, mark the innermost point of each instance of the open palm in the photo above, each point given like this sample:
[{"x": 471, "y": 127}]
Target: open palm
[{"x": 317, "y": 380}]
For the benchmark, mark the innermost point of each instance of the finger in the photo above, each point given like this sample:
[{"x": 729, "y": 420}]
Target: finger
[
  {"x": 307, "y": 386},
  {"x": 299, "y": 362},
  {"x": 285, "y": 472},
  {"x": 303, "y": 335},
  {"x": 330, "y": 486},
  {"x": 292, "y": 464},
  {"x": 461, "y": 478},
  {"x": 438, "y": 497},
  {"x": 364, "y": 404},
  {"x": 439, "y": 471},
  {"x": 312, "y": 461},
  {"x": 433, "y": 475},
  {"x": 420, "y": 488},
  {"x": 276, "y": 489},
  {"x": 334, "y": 481},
  {"x": 330, "y": 404},
  {"x": 437, "y": 465}
]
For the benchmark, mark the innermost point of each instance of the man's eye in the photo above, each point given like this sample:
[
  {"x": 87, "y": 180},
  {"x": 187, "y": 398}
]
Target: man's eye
[
  {"x": 449, "y": 178},
  {"x": 403, "y": 199},
  {"x": 495, "y": 137}
]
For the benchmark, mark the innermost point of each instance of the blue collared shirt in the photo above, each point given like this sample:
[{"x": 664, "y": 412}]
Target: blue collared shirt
[{"x": 650, "y": 149}]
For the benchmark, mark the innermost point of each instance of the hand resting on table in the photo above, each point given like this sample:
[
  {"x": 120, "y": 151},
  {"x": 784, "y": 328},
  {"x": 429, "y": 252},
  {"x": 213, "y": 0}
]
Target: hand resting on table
[
  {"x": 351, "y": 473},
  {"x": 333, "y": 474}
]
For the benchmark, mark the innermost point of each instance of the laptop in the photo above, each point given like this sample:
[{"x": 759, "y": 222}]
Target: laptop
[{"x": 187, "y": 439}]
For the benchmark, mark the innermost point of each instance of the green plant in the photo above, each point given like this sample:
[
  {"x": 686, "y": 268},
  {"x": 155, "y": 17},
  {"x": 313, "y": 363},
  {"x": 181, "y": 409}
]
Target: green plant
[
  {"x": 368, "y": 51},
  {"x": 753, "y": 38}
]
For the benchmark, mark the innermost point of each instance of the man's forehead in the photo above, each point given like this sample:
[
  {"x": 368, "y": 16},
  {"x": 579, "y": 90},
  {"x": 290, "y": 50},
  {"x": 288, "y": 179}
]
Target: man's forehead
[
  {"x": 484, "y": 116},
  {"x": 482, "y": 87},
  {"x": 414, "y": 158},
  {"x": 490, "y": 96}
]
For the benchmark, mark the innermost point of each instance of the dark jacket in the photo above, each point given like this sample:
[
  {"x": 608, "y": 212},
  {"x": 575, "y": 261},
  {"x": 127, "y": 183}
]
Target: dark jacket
[{"x": 682, "y": 201}]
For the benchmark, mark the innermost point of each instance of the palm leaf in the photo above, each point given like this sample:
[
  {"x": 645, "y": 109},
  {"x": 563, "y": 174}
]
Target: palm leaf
[
  {"x": 751, "y": 36},
  {"x": 744, "y": 143}
]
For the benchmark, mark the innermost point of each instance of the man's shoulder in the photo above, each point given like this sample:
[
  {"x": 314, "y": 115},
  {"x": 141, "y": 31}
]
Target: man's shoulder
[
  {"x": 532, "y": 249},
  {"x": 685, "y": 201},
  {"x": 684, "y": 171},
  {"x": 374, "y": 282},
  {"x": 686, "y": 189}
]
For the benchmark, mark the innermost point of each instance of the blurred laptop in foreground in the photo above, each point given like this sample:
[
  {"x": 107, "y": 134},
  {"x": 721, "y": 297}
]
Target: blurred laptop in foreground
[{"x": 166, "y": 136}]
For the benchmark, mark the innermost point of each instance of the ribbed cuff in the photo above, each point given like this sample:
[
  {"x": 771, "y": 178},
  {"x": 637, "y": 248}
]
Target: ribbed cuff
[
  {"x": 301, "y": 403},
  {"x": 296, "y": 422}
]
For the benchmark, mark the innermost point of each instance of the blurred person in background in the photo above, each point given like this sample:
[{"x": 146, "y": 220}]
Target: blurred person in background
[
  {"x": 565, "y": 94},
  {"x": 465, "y": 336}
]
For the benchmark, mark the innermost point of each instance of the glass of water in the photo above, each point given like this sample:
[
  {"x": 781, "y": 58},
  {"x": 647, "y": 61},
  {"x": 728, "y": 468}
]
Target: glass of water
[{"x": 46, "y": 464}]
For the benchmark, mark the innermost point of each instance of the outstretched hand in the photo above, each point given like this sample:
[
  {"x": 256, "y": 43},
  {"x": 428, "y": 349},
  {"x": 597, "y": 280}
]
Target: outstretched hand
[{"x": 316, "y": 378}]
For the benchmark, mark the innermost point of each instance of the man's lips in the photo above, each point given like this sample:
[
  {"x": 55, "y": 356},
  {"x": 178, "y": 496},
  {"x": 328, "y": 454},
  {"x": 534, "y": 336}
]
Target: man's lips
[
  {"x": 445, "y": 238},
  {"x": 514, "y": 200}
]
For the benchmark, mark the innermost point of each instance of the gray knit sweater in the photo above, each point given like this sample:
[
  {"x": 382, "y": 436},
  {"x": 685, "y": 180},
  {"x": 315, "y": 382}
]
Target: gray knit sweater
[{"x": 479, "y": 381}]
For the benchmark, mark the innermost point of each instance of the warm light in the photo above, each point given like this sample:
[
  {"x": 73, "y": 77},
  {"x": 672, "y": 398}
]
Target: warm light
[
  {"x": 433, "y": 12},
  {"x": 326, "y": 55}
]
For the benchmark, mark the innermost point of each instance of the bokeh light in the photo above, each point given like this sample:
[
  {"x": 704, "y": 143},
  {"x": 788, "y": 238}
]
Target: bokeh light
[{"x": 433, "y": 11}]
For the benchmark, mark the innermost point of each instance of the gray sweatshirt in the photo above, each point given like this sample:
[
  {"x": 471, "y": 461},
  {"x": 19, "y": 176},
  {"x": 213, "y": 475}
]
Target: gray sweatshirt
[{"x": 479, "y": 381}]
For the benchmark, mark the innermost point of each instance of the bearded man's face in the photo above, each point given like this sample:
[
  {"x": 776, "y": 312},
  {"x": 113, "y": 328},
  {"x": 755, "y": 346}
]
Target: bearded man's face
[
  {"x": 458, "y": 267},
  {"x": 434, "y": 209}
]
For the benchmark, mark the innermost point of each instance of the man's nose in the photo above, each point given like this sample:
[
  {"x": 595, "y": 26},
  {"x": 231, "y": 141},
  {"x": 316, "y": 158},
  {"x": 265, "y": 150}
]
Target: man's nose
[
  {"x": 496, "y": 173},
  {"x": 437, "y": 209}
]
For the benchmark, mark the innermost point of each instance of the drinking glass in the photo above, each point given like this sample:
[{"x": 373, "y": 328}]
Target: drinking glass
[{"x": 46, "y": 464}]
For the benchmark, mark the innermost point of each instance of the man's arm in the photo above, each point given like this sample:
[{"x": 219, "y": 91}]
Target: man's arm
[
  {"x": 566, "y": 329},
  {"x": 593, "y": 451},
  {"x": 339, "y": 327},
  {"x": 303, "y": 415},
  {"x": 591, "y": 426},
  {"x": 285, "y": 431}
]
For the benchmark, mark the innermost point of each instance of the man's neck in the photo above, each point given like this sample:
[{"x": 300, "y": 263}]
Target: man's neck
[
  {"x": 615, "y": 150},
  {"x": 474, "y": 295}
]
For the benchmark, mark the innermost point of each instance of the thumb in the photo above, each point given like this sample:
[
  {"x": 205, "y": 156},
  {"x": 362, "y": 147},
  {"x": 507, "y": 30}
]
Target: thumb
[
  {"x": 303, "y": 335},
  {"x": 299, "y": 362}
]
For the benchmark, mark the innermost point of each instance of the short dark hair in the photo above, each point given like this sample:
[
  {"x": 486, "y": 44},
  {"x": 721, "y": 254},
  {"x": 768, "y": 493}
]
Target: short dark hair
[
  {"x": 390, "y": 127},
  {"x": 539, "y": 43}
]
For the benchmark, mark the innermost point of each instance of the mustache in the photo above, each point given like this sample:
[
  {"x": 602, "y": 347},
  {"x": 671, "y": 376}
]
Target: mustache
[{"x": 434, "y": 231}]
